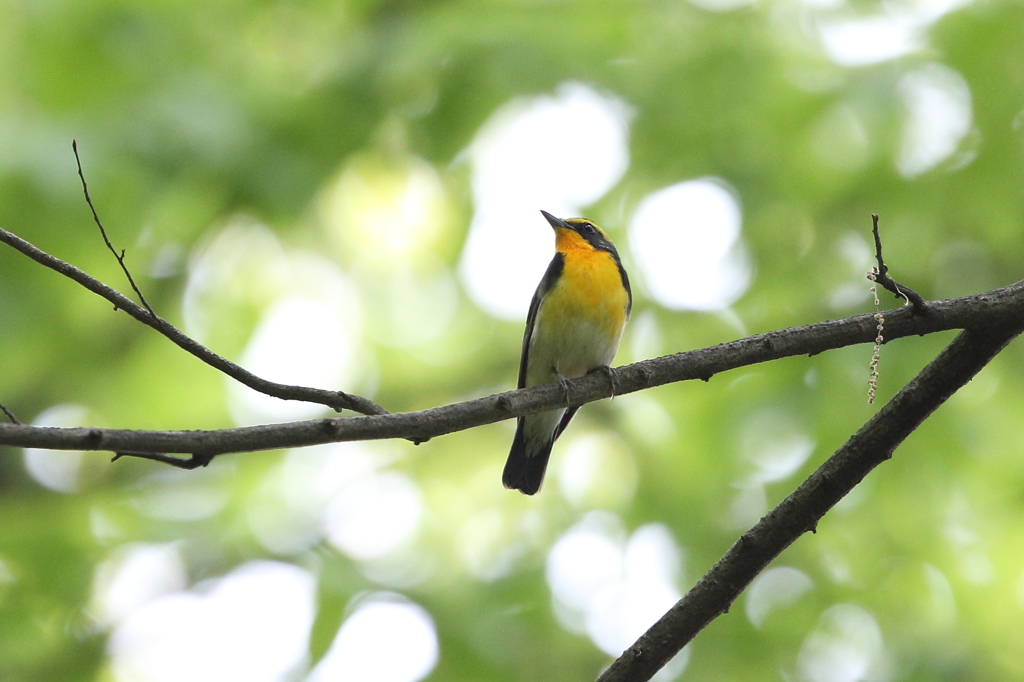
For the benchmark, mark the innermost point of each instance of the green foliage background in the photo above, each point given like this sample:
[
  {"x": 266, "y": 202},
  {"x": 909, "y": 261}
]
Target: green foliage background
[{"x": 191, "y": 114}]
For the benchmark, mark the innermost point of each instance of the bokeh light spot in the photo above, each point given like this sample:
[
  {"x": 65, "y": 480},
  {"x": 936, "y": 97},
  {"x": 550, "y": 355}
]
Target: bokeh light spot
[
  {"x": 940, "y": 593},
  {"x": 386, "y": 639},
  {"x": 938, "y": 116},
  {"x": 846, "y": 646},
  {"x": 597, "y": 471},
  {"x": 178, "y": 495},
  {"x": 722, "y": 5},
  {"x": 58, "y": 470},
  {"x": 134, "y": 576},
  {"x": 386, "y": 212},
  {"x": 585, "y": 559},
  {"x": 686, "y": 240},
  {"x": 859, "y": 256},
  {"x": 840, "y": 138},
  {"x": 851, "y": 38},
  {"x": 772, "y": 441},
  {"x": 253, "y": 624},
  {"x": 412, "y": 307},
  {"x": 647, "y": 420},
  {"x": 610, "y": 587},
  {"x": 644, "y": 339},
  {"x": 299, "y": 341},
  {"x": 960, "y": 531},
  {"x": 772, "y": 448},
  {"x": 860, "y": 41},
  {"x": 285, "y": 512},
  {"x": 487, "y": 546},
  {"x": 291, "y": 315},
  {"x": 243, "y": 266},
  {"x": 521, "y": 160},
  {"x": 777, "y": 586},
  {"x": 374, "y": 515}
]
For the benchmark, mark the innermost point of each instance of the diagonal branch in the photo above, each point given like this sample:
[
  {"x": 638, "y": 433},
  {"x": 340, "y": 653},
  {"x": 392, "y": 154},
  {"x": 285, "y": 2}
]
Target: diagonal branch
[
  {"x": 10, "y": 415},
  {"x": 335, "y": 399},
  {"x": 103, "y": 233},
  {"x": 800, "y": 512},
  {"x": 982, "y": 310}
]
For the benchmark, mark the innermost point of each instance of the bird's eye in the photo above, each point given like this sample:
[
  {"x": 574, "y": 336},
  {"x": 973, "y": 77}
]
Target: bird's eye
[{"x": 588, "y": 229}]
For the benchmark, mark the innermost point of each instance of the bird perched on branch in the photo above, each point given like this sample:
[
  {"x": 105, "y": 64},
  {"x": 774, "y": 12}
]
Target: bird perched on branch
[{"x": 573, "y": 328}]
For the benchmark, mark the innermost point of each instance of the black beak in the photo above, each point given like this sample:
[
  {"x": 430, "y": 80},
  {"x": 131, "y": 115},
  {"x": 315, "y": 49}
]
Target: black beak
[{"x": 555, "y": 222}]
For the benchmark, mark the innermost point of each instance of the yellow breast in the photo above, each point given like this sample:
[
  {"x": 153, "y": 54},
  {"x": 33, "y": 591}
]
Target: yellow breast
[
  {"x": 581, "y": 319},
  {"x": 590, "y": 289}
]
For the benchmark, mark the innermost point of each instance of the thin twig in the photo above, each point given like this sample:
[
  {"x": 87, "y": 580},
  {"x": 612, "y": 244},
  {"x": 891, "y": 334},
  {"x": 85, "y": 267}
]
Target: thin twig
[
  {"x": 193, "y": 462},
  {"x": 103, "y": 233},
  {"x": 883, "y": 278},
  {"x": 10, "y": 415},
  {"x": 334, "y": 399},
  {"x": 990, "y": 308},
  {"x": 800, "y": 512}
]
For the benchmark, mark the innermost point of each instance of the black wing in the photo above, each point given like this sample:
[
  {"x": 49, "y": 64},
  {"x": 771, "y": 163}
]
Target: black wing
[
  {"x": 547, "y": 283},
  {"x": 625, "y": 282}
]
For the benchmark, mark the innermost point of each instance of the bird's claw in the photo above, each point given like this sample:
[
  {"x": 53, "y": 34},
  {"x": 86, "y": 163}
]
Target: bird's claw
[
  {"x": 566, "y": 385},
  {"x": 610, "y": 373}
]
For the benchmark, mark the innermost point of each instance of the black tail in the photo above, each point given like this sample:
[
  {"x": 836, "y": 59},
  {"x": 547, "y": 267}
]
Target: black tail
[{"x": 524, "y": 470}]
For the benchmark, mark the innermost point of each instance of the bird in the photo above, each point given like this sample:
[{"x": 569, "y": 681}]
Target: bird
[{"x": 573, "y": 328}]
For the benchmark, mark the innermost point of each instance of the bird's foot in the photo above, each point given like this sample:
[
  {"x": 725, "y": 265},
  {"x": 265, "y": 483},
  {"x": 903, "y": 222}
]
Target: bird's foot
[
  {"x": 566, "y": 386},
  {"x": 610, "y": 373}
]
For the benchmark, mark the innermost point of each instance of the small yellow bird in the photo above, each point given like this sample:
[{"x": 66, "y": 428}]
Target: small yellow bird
[{"x": 574, "y": 325}]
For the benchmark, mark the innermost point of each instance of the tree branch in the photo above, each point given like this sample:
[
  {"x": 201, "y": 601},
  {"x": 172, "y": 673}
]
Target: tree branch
[
  {"x": 103, "y": 233},
  {"x": 989, "y": 322},
  {"x": 883, "y": 278},
  {"x": 982, "y": 310},
  {"x": 10, "y": 415},
  {"x": 800, "y": 512},
  {"x": 193, "y": 462},
  {"x": 335, "y": 399}
]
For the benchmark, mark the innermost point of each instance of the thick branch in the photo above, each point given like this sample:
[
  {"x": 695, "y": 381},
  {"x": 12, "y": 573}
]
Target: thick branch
[
  {"x": 801, "y": 511},
  {"x": 335, "y": 399},
  {"x": 982, "y": 310}
]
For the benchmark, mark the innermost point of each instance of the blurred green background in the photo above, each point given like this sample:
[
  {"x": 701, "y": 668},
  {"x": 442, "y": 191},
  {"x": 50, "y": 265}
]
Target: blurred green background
[{"x": 346, "y": 194}]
